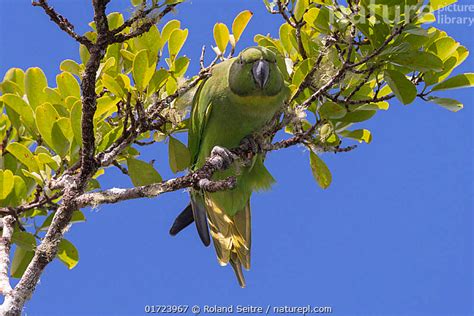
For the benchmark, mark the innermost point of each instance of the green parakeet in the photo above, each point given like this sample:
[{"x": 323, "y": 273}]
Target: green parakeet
[{"x": 240, "y": 97}]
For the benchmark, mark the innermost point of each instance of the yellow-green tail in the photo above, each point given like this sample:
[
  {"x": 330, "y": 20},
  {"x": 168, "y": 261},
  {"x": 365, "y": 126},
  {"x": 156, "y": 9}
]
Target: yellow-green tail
[{"x": 231, "y": 236}]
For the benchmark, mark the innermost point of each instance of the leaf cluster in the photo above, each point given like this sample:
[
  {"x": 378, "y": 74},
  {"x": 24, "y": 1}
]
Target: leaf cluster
[{"x": 344, "y": 63}]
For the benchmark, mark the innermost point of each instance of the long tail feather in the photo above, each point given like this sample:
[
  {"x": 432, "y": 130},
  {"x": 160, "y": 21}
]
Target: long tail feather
[
  {"x": 184, "y": 219},
  {"x": 237, "y": 267},
  {"x": 200, "y": 218},
  {"x": 231, "y": 236},
  {"x": 243, "y": 235}
]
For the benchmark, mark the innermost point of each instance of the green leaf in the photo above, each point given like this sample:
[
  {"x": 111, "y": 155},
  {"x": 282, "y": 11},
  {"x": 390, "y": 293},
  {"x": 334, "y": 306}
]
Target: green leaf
[
  {"x": 331, "y": 110},
  {"x": 10, "y": 87},
  {"x": 106, "y": 106},
  {"x": 142, "y": 173},
  {"x": 168, "y": 29},
  {"x": 70, "y": 66},
  {"x": 449, "y": 104},
  {"x": 114, "y": 19},
  {"x": 7, "y": 183},
  {"x": 68, "y": 254},
  {"x": 301, "y": 71},
  {"x": 46, "y": 159},
  {"x": 24, "y": 155},
  {"x": 21, "y": 260},
  {"x": 176, "y": 42},
  {"x": 404, "y": 89},
  {"x": 19, "y": 192},
  {"x": 444, "y": 48},
  {"x": 460, "y": 81},
  {"x": 325, "y": 131},
  {"x": 141, "y": 70},
  {"x": 104, "y": 67},
  {"x": 22, "y": 108},
  {"x": 285, "y": 34},
  {"x": 318, "y": 18},
  {"x": 421, "y": 61},
  {"x": 320, "y": 171},
  {"x": 35, "y": 82},
  {"x": 33, "y": 175},
  {"x": 84, "y": 54},
  {"x": 17, "y": 76},
  {"x": 300, "y": 8},
  {"x": 53, "y": 96},
  {"x": 109, "y": 138},
  {"x": 171, "y": 85},
  {"x": 46, "y": 121},
  {"x": 151, "y": 41},
  {"x": 179, "y": 156},
  {"x": 439, "y": 4},
  {"x": 240, "y": 23},
  {"x": 358, "y": 116},
  {"x": 112, "y": 85},
  {"x": 24, "y": 240},
  {"x": 221, "y": 36},
  {"x": 76, "y": 115},
  {"x": 180, "y": 66},
  {"x": 127, "y": 55},
  {"x": 158, "y": 80},
  {"x": 361, "y": 135},
  {"x": 375, "y": 106},
  {"x": 463, "y": 53},
  {"x": 64, "y": 124},
  {"x": 124, "y": 81},
  {"x": 68, "y": 85}
]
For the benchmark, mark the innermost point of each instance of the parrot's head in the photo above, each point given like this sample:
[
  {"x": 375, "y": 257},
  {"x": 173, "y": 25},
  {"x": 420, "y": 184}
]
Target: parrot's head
[{"x": 255, "y": 72}]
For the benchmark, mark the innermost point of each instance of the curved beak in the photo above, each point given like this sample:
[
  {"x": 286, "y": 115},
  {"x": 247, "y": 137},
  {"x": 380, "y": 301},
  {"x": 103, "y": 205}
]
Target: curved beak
[{"x": 261, "y": 72}]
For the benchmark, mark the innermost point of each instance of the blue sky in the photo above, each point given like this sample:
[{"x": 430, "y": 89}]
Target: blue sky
[{"x": 393, "y": 235}]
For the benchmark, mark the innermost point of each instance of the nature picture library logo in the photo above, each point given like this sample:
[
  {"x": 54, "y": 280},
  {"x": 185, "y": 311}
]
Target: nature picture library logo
[
  {"x": 377, "y": 12},
  {"x": 459, "y": 14}
]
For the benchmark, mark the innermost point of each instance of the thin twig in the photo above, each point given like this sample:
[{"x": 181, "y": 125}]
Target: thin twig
[{"x": 62, "y": 22}]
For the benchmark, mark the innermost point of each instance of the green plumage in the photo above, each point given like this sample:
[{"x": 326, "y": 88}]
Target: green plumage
[
  {"x": 228, "y": 107},
  {"x": 240, "y": 97}
]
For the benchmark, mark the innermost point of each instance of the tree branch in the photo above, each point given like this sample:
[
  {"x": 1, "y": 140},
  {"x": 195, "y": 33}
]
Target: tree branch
[
  {"x": 200, "y": 179},
  {"x": 397, "y": 31},
  {"x": 44, "y": 254},
  {"x": 62, "y": 22},
  {"x": 140, "y": 29},
  {"x": 5, "y": 244},
  {"x": 89, "y": 98}
]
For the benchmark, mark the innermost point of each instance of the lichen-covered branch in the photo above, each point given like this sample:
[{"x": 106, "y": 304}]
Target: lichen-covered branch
[
  {"x": 5, "y": 244},
  {"x": 44, "y": 254},
  {"x": 200, "y": 179}
]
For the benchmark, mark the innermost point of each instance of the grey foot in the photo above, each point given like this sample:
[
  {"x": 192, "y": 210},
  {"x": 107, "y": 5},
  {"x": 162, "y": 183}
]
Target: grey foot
[{"x": 227, "y": 156}]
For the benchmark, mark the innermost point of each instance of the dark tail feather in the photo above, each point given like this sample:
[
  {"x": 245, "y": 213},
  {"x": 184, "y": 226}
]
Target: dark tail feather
[
  {"x": 200, "y": 218},
  {"x": 184, "y": 219}
]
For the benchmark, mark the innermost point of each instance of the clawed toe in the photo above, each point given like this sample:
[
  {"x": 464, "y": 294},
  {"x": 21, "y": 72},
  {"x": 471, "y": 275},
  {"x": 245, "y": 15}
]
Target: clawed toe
[{"x": 227, "y": 156}]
